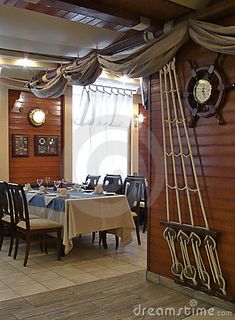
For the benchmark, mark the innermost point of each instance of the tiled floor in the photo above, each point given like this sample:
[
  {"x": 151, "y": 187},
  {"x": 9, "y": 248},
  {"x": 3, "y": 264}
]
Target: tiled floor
[
  {"x": 124, "y": 297},
  {"x": 87, "y": 262}
]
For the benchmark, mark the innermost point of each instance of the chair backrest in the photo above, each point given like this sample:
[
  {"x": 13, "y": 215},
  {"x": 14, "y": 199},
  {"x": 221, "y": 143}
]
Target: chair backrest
[
  {"x": 143, "y": 186},
  {"x": 20, "y": 205},
  {"x": 133, "y": 192},
  {"x": 113, "y": 183},
  {"x": 6, "y": 207},
  {"x": 92, "y": 181}
]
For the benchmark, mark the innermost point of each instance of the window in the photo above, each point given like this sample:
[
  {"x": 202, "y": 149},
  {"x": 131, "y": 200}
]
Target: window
[{"x": 101, "y": 121}]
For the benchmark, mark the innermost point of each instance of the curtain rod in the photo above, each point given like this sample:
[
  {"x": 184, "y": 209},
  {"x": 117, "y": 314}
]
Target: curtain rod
[{"x": 123, "y": 90}]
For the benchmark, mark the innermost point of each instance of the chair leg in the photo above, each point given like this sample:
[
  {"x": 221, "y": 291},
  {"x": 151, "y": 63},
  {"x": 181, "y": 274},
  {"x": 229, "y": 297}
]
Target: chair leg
[
  {"x": 1, "y": 242},
  {"x": 104, "y": 239},
  {"x": 11, "y": 243},
  {"x": 41, "y": 242},
  {"x": 45, "y": 242},
  {"x": 145, "y": 221},
  {"x": 144, "y": 228},
  {"x": 100, "y": 237},
  {"x": 16, "y": 244},
  {"x": 137, "y": 230},
  {"x": 93, "y": 237},
  {"x": 58, "y": 243},
  {"x": 27, "y": 238},
  {"x": 1, "y": 234},
  {"x": 117, "y": 242}
]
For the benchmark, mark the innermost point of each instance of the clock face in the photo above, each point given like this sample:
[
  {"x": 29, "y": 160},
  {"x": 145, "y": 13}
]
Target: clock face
[{"x": 202, "y": 91}]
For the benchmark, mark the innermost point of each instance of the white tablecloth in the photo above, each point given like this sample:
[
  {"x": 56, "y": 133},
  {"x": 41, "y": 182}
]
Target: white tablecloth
[{"x": 86, "y": 215}]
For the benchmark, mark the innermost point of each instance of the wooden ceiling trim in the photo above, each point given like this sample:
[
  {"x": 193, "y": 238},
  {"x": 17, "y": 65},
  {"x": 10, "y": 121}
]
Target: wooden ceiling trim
[{"x": 94, "y": 9}]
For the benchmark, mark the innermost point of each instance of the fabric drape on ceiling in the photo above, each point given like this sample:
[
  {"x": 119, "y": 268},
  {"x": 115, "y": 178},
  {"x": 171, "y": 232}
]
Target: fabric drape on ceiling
[
  {"x": 143, "y": 63},
  {"x": 213, "y": 37},
  {"x": 140, "y": 61},
  {"x": 81, "y": 72}
]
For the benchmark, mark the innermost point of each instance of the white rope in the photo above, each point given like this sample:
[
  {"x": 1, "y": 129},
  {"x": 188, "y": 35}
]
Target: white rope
[
  {"x": 181, "y": 189},
  {"x": 180, "y": 145},
  {"x": 174, "y": 120},
  {"x": 189, "y": 146},
  {"x": 171, "y": 145},
  {"x": 190, "y": 271},
  {"x": 186, "y": 269},
  {"x": 212, "y": 255},
  {"x": 164, "y": 150},
  {"x": 201, "y": 269},
  {"x": 180, "y": 154},
  {"x": 176, "y": 268}
]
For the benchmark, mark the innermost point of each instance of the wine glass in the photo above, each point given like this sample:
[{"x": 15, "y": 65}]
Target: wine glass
[
  {"x": 65, "y": 182},
  {"x": 39, "y": 182},
  {"x": 57, "y": 184},
  {"x": 85, "y": 185},
  {"x": 47, "y": 180}
]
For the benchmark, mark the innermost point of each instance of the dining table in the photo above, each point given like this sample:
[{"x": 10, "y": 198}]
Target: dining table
[{"x": 82, "y": 212}]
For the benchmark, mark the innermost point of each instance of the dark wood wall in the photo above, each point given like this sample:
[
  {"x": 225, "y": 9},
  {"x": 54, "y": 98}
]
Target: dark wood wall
[
  {"x": 214, "y": 153},
  {"x": 28, "y": 169},
  {"x": 143, "y": 143}
]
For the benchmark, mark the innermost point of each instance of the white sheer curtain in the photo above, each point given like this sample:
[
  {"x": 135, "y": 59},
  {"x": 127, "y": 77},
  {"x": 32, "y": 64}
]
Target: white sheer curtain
[{"x": 101, "y": 121}]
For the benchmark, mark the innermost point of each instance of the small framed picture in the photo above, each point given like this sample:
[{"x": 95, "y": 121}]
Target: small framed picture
[
  {"x": 46, "y": 145},
  {"x": 20, "y": 145}
]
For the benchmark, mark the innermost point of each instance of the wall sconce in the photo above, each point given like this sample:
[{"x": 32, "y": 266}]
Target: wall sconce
[{"x": 138, "y": 120}]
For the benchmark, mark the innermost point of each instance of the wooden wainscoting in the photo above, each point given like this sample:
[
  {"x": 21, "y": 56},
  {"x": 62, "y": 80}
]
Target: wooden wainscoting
[{"x": 28, "y": 169}]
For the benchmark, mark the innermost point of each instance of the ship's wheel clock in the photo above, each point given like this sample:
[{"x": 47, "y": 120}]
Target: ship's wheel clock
[{"x": 204, "y": 93}]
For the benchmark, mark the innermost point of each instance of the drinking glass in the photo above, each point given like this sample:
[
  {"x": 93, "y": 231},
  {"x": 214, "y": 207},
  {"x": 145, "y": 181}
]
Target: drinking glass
[
  {"x": 47, "y": 180},
  {"x": 39, "y": 182},
  {"x": 57, "y": 184},
  {"x": 65, "y": 182},
  {"x": 85, "y": 185}
]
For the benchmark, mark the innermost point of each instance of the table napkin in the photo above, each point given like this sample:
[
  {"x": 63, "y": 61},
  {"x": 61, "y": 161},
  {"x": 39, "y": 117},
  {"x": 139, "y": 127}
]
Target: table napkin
[{"x": 49, "y": 199}]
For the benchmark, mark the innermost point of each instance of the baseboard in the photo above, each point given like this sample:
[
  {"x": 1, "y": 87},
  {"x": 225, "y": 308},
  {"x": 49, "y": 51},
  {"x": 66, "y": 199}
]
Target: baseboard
[{"x": 169, "y": 283}]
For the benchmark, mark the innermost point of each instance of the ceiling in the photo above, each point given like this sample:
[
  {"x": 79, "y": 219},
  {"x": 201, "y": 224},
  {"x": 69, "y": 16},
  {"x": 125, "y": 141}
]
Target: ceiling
[{"x": 54, "y": 31}]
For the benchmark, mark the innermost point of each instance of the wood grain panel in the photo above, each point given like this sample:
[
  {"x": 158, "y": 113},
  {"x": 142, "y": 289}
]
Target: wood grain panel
[
  {"x": 213, "y": 148},
  {"x": 23, "y": 170}
]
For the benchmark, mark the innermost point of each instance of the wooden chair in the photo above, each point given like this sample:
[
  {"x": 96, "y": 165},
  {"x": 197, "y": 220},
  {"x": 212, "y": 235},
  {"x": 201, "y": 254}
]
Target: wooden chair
[
  {"x": 6, "y": 217},
  {"x": 26, "y": 226},
  {"x": 143, "y": 202},
  {"x": 113, "y": 183},
  {"x": 133, "y": 192},
  {"x": 92, "y": 181}
]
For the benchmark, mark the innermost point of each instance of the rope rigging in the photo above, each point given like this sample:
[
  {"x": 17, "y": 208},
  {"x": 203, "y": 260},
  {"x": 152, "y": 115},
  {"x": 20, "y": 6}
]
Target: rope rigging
[{"x": 189, "y": 236}]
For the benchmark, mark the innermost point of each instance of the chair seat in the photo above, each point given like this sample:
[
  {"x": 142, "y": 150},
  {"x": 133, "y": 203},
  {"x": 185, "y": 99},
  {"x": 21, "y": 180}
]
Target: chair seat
[
  {"x": 6, "y": 218},
  {"x": 134, "y": 214},
  {"x": 32, "y": 216},
  {"x": 36, "y": 224}
]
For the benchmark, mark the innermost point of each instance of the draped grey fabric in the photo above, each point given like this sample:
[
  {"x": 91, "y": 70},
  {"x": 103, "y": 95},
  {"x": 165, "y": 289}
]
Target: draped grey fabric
[
  {"x": 140, "y": 61},
  {"x": 213, "y": 37},
  {"x": 143, "y": 63}
]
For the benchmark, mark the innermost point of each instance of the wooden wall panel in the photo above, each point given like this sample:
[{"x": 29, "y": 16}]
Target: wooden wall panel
[
  {"x": 214, "y": 154},
  {"x": 143, "y": 143},
  {"x": 28, "y": 169}
]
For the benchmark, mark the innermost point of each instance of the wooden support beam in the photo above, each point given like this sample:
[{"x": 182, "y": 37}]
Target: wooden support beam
[
  {"x": 216, "y": 11},
  {"x": 94, "y": 9}
]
